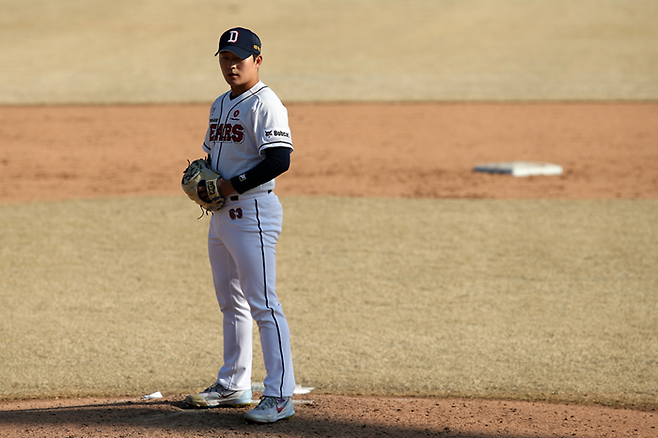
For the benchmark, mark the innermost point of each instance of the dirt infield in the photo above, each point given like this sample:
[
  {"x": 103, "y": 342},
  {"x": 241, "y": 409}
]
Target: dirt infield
[
  {"x": 608, "y": 152},
  {"x": 328, "y": 416}
]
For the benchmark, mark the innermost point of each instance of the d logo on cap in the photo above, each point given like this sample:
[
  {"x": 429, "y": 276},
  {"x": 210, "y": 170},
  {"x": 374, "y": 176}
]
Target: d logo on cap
[{"x": 240, "y": 41}]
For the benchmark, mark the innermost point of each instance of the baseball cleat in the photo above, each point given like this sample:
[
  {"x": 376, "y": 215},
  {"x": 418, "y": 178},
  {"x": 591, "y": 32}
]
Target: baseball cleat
[
  {"x": 217, "y": 396},
  {"x": 270, "y": 410}
]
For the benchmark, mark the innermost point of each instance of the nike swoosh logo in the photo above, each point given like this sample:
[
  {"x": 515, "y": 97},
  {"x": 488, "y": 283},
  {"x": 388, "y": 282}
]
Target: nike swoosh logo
[{"x": 279, "y": 409}]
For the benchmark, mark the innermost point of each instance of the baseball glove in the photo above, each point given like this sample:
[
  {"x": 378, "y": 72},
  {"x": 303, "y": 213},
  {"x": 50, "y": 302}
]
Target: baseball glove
[{"x": 200, "y": 184}]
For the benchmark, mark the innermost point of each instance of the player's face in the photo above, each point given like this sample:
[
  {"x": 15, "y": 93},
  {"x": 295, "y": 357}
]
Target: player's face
[{"x": 240, "y": 74}]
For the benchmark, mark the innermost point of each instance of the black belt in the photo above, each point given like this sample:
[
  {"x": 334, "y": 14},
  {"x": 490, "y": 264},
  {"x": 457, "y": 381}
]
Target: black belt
[{"x": 237, "y": 197}]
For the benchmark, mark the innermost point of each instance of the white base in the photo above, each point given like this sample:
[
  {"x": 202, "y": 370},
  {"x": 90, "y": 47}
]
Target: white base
[
  {"x": 299, "y": 389},
  {"x": 520, "y": 168}
]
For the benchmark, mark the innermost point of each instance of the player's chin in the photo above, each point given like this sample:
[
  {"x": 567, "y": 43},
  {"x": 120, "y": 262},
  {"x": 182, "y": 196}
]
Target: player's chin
[{"x": 232, "y": 78}]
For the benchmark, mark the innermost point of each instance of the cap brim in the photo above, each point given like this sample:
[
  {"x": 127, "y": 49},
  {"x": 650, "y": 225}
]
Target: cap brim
[{"x": 240, "y": 53}]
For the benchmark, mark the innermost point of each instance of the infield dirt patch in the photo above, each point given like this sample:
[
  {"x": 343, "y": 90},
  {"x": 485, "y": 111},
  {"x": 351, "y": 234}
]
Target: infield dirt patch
[{"x": 607, "y": 150}]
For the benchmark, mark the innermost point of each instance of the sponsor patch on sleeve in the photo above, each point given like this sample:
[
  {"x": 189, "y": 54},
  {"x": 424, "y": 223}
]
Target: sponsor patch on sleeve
[{"x": 277, "y": 135}]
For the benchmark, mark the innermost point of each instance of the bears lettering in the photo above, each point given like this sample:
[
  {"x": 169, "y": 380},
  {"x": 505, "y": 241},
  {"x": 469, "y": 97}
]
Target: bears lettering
[{"x": 227, "y": 132}]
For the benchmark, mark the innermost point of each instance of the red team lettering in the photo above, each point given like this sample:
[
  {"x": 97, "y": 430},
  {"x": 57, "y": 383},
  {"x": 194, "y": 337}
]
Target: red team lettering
[{"x": 227, "y": 132}]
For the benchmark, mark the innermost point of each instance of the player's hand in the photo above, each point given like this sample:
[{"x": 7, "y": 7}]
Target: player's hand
[
  {"x": 203, "y": 192},
  {"x": 225, "y": 187}
]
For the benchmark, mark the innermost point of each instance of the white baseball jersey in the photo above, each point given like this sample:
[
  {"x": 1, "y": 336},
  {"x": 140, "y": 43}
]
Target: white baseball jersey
[{"x": 241, "y": 129}]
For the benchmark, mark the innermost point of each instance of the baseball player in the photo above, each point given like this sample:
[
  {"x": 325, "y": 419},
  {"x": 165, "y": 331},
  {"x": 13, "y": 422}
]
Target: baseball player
[{"x": 248, "y": 142}]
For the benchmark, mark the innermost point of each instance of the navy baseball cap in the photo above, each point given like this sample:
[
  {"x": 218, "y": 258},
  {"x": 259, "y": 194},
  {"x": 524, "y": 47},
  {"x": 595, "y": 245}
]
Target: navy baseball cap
[{"x": 240, "y": 41}]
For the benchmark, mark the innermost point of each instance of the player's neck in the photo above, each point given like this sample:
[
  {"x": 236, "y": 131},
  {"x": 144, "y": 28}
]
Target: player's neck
[{"x": 240, "y": 89}]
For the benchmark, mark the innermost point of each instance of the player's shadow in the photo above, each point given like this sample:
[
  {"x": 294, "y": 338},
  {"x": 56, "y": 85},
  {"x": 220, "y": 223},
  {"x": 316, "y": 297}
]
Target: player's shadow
[{"x": 174, "y": 418}]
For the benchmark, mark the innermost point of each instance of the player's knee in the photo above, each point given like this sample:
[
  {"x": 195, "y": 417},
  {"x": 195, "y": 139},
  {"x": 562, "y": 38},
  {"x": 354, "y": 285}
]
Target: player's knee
[{"x": 267, "y": 315}]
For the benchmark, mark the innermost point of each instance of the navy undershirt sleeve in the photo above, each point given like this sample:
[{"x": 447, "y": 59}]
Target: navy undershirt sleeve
[{"x": 276, "y": 161}]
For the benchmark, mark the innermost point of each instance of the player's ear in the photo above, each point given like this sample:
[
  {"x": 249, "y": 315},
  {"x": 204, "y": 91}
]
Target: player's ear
[{"x": 258, "y": 60}]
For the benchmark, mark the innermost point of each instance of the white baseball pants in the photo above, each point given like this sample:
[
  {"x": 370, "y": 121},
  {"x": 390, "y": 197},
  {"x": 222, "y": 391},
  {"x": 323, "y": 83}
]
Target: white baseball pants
[{"x": 241, "y": 246}]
